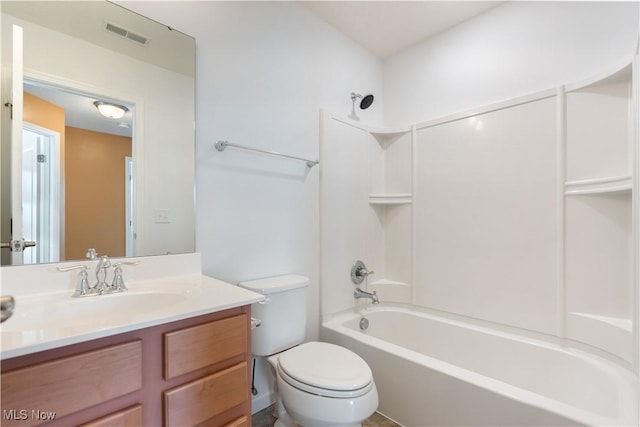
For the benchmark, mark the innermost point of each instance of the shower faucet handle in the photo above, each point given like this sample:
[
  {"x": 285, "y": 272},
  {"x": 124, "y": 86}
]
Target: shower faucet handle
[{"x": 359, "y": 272}]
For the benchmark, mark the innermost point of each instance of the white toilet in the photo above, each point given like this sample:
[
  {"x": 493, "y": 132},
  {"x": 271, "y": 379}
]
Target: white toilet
[{"x": 318, "y": 384}]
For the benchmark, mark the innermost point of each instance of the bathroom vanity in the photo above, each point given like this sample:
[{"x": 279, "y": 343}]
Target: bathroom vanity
[{"x": 186, "y": 362}]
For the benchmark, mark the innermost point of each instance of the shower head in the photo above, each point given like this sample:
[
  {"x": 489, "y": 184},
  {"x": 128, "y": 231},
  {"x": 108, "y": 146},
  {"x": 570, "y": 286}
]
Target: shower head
[{"x": 366, "y": 102}]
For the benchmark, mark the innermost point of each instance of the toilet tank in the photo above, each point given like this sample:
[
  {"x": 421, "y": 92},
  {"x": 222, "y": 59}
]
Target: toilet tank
[{"x": 283, "y": 314}]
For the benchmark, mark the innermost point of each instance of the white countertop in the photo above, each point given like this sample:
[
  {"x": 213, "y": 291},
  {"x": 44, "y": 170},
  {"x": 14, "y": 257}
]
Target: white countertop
[{"x": 48, "y": 319}]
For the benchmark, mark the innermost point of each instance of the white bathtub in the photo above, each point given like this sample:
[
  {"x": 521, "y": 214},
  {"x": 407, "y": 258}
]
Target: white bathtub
[{"x": 436, "y": 371}]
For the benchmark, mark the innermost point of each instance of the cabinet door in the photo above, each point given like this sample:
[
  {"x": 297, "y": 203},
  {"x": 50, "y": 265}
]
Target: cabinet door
[
  {"x": 196, "y": 402},
  {"x": 73, "y": 383},
  {"x": 130, "y": 417},
  {"x": 199, "y": 346},
  {"x": 239, "y": 422}
]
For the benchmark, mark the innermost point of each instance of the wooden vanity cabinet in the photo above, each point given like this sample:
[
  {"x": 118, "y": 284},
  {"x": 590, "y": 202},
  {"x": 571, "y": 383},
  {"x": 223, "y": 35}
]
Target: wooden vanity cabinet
[
  {"x": 208, "y": 399},
  {"x": 184, "y": 373}
]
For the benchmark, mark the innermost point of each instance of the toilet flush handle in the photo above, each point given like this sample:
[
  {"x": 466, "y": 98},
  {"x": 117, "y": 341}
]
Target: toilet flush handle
[{"x": 255, "y": 323}]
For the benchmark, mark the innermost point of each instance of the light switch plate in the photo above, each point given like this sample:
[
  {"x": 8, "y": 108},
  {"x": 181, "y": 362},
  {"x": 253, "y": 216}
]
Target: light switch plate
[{"x": 162, "y": 216}]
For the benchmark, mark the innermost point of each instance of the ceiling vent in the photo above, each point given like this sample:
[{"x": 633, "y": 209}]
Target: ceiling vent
[{"x": 127, "y": 34}]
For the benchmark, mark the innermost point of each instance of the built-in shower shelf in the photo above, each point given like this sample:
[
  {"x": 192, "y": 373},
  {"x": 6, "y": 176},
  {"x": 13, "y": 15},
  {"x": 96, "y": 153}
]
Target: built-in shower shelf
[
  {"x": 615, "y": 334},
  {"x": 598, "y": 185},
  {"x": 616, "y": 322},
  {"x": 390, "y": 199},
  {"x": 387, "y": 282},
  {"x": 387, "y": 136},
  {"x": 391, "y": 290}
]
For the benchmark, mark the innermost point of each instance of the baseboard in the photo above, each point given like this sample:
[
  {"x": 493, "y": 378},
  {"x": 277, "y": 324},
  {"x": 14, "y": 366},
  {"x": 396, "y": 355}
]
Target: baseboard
[{"x": 261, "y": 401}]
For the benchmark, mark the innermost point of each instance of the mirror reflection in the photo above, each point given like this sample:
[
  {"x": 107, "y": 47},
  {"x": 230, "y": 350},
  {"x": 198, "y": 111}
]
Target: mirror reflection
[
  {"x": 98, "y": 175},
  {"x": 123, "y": 185}
]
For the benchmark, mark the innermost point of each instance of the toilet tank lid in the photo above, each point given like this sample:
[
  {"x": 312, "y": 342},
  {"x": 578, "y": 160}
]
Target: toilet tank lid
[{"x": 271, "y": 285}]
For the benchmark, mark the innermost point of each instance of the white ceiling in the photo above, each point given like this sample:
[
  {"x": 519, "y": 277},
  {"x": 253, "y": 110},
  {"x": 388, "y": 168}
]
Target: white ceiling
[
  {"x": 80, "y": 111},
  {"x": 387, "y": 27}
]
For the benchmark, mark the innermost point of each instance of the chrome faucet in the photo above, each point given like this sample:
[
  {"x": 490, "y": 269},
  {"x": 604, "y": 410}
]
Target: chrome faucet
[
  {"x": 104, "y": 263},
  {"x": 373, "y": 296},
  {"x": 101, "y": 285},
  {"x": 83, "y": 288}
]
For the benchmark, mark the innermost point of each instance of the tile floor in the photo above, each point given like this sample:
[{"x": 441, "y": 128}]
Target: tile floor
[{"x": 265, "y": 418}]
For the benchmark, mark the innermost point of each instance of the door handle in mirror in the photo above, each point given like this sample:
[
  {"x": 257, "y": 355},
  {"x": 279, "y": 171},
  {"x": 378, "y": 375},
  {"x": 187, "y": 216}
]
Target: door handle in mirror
[{"x": 17, "y": 245}]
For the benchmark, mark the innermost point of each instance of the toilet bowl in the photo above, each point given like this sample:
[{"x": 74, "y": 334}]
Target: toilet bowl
[
  {"x": 316, "y": 384},
  {"x": 321, "y": 384}
]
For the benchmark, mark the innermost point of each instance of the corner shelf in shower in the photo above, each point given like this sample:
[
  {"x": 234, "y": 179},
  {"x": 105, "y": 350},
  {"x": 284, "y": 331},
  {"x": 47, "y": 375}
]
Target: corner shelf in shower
[
  {"x": 598, "y": 185},
  {"x": 390, "y": 199},
  {"x": 387, "y": 282},
  {"x": 391, "y": 291},
  {"x": 613, "y": 334},
  {"x": 387, "y": 136}
]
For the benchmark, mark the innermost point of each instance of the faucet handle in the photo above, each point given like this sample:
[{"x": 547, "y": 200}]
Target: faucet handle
[
  {"x": 359, "y": 272},
  {"x": 126, "y": 263},
  {"x": 72, "y": 267},
  {"x": 118, "y": 280},
  {"x": 91, "y": 253},
  {"x": 364, "y": 272},
  {"x": 82, "y": 288}
]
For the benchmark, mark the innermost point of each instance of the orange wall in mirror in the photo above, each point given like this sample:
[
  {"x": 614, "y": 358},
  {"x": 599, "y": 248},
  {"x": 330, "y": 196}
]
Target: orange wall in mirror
[
  {"x": 44, "y": 114},
  {"x": 95, "y": 192}
]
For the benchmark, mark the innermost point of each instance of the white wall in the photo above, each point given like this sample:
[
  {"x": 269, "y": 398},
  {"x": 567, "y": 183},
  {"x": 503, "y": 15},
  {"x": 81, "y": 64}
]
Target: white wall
[
  {"x": 512, "y": 50},
  {"x": 263, "y": 70}
]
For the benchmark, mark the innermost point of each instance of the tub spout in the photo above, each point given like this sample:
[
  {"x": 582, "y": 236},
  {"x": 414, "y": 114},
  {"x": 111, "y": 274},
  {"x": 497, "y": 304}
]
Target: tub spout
[{"x": 359, "y": 293}]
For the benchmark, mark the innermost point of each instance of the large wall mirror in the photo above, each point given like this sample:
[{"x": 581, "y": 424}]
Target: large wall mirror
[{"x": 72, "y": 178}]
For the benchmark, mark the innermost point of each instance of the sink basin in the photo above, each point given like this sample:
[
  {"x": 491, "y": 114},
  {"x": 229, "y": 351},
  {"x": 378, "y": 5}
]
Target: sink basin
[{"x": 98, "y": 310}]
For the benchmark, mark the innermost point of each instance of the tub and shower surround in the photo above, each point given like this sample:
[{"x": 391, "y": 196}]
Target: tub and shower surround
[
  {"x": 522, "y": 213},
  {"x": 455, "y": 372},
  {"x": 366, "y": 210}
]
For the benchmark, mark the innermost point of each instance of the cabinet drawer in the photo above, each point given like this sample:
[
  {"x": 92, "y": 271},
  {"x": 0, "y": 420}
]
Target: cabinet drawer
[
  {"x": 130, "y": 417},
  {"x": 73, "y": 383},
  {"x": 239, "y": 422},
  {"x": 197, "y": 347},
  {"x": 202, "y": 399}
]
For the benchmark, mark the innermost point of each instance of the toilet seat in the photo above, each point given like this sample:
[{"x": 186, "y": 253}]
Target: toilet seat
[{"x": 326, "y": 370}]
